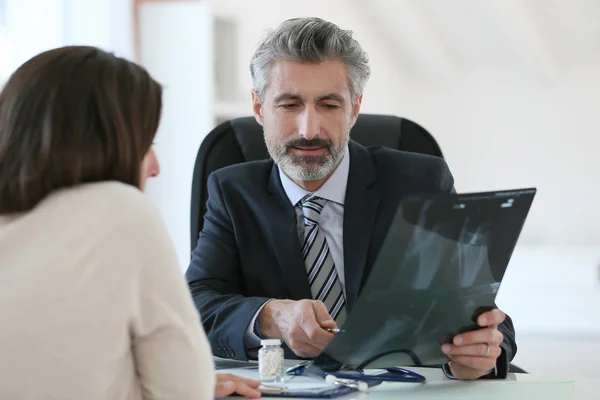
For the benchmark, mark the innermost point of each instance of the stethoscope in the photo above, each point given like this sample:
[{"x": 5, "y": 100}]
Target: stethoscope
[
  {"x": 361, "y": 381},
  {"x": 392, "y": 374}
]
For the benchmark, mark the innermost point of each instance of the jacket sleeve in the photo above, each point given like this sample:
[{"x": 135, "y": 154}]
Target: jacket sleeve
[{"x": 215, "y": 280}]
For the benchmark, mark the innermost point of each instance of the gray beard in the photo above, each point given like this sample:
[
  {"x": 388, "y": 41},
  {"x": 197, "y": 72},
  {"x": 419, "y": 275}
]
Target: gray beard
[{"x": 308, "y": 168}]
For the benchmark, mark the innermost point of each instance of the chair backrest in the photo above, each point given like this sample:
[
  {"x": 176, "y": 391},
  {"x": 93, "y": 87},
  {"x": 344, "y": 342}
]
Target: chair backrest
[{"x": 241, "y": 139}]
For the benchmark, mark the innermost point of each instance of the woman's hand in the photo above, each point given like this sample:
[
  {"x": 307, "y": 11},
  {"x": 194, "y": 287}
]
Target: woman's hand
[{"x": 228, "y": 384}]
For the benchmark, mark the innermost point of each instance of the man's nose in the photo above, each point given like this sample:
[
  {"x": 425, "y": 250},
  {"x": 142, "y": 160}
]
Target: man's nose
[{"x": 309, "y": 124}]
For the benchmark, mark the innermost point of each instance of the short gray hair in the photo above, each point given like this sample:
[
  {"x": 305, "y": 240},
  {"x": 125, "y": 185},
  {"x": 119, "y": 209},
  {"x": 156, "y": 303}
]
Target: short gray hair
[{"x": 312, "y": 40}]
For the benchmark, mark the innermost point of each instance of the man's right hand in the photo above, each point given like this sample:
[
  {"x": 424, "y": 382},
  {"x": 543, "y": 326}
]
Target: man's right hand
[{"x": 302, "y": 325}]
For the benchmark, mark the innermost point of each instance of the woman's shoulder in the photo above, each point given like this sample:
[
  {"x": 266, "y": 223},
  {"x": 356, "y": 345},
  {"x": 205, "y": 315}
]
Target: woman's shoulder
[
  {"x": 111, "y": 193},
  {"x": 101, "y": 202}
]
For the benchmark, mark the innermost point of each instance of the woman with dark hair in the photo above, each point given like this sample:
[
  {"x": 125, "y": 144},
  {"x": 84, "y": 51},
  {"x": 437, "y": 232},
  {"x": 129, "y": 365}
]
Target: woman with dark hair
[{"x": 92, "y": 301}]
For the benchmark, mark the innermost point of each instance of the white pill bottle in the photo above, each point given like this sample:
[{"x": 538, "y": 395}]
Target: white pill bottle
[{"x": 270, "y": 360}]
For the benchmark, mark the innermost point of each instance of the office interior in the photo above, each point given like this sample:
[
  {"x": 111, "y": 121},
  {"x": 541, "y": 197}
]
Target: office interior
[{"x": 510, "y": 89}]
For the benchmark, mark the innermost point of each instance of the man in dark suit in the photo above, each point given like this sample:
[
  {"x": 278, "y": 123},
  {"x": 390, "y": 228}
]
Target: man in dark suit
[{"x": 288, "y": 243}]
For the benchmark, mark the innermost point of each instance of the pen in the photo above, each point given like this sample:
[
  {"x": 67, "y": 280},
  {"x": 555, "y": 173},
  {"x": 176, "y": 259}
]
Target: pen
[
  {"x": 334, "y": 330},
  {"x": 297, "y": 369}
]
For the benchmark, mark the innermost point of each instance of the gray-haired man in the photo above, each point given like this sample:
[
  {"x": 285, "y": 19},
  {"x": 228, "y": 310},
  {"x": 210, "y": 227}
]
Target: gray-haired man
[{"x": 287, "y": 243}]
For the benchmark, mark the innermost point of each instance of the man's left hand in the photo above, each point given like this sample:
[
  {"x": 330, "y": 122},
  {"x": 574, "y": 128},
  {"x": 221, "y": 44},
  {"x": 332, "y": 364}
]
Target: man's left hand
[{"x": 473, "y": 354}]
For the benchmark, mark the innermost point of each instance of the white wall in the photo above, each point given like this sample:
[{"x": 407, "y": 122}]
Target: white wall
[
  {"x": 104, "y": 23},
  {"x": 33, "y": 26},
  {"x": 501, "y": 132},
  {"x": 176, "y": 48}
]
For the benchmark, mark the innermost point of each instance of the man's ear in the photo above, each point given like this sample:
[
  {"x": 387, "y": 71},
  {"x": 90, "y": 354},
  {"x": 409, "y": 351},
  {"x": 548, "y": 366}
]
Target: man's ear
[
  {"x": 356, "y": 109},
  {"x": 256, "y": 107}
]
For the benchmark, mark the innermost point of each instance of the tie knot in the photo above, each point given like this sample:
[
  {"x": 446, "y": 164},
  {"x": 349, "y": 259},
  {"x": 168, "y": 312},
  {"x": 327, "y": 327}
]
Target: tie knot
[{"x": 311, "y": 208}]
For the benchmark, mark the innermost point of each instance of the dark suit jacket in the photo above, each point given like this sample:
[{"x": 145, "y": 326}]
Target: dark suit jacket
[{"x": 249, "y": 251}]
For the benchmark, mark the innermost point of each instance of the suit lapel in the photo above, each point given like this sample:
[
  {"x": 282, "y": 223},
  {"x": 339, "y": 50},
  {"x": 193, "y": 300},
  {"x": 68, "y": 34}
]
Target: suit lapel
[
  {"x": 360, "y": 209},
  {"x": 280, "y": 218}
]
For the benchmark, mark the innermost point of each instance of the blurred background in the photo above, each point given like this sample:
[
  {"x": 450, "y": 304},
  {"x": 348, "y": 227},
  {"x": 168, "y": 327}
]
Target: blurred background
[{"x": 510, "y": 89}]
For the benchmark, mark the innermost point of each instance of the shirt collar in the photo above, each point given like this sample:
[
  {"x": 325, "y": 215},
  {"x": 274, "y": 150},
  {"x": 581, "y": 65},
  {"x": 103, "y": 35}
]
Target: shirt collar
[{"x": 334, "y": 188}]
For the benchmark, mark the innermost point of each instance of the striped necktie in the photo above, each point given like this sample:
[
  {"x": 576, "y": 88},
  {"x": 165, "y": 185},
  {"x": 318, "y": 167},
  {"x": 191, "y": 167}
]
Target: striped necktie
[{"x": 323, "y": 279}]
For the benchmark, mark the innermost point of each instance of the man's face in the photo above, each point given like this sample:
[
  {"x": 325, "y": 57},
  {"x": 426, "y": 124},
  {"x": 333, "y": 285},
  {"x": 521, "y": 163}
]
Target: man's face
[{"x": 306, "y": 114}]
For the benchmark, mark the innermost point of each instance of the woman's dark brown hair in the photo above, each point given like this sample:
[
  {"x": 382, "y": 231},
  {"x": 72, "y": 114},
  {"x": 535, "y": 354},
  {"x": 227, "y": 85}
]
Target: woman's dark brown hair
[{"x": 73, "y": 115}]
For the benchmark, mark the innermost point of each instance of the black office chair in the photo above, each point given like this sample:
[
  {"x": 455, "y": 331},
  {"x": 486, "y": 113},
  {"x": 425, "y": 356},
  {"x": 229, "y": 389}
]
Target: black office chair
[{"x": 241, "y": 139}]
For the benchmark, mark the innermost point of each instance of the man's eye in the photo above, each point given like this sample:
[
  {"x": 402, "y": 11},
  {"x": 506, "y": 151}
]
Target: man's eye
[
  {"x": 331, "y": 106},
  {"x": 288, "y": 106}
]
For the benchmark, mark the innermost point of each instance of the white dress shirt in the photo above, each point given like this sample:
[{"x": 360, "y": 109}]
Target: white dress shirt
[{"x": 331, "y": 222}]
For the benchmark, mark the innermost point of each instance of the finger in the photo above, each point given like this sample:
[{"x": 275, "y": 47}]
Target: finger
[
  {"x": 311, "y": 333},
  {"x": 322, "y": 315},
  {"x": 236, "y": 378},
  {"x": 247, "y": 391},
  {"x": 484, "y": 335},
  {"x": 330, "y": 324},
  {"x": 303, "y": 349},
  {"x": 224, "y": 388},
  {"x": 480, "y": 350},
  {"x": 465, "y": 373},
  {"x": 482, "y": 364},
  {"x": 493, "y": 317},
  {"x": 316, "y": 335}
]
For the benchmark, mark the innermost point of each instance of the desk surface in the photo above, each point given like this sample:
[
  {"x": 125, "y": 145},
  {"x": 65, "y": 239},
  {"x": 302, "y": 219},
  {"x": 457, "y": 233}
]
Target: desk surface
[{"x": 517, "y": 386}]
